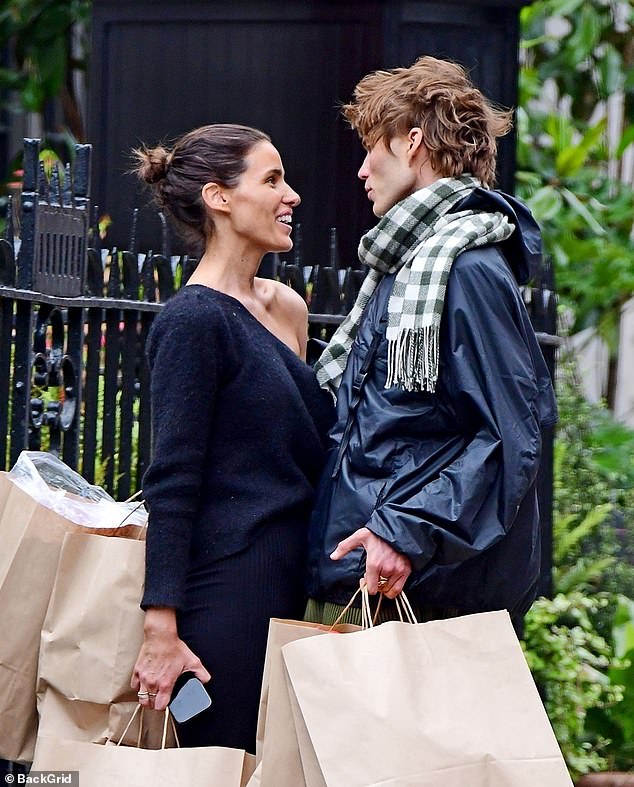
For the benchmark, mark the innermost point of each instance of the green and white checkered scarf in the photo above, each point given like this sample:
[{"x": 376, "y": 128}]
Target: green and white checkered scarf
[{"x": 419, "y": 239}]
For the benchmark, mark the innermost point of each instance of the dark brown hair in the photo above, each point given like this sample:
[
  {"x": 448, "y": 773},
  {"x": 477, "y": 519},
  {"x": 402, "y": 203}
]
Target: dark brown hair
[
  {"x": 214, "y": 153},
  {"x": 460, "y": 126}
]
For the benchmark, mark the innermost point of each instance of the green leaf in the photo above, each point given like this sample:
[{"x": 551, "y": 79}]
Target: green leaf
[
  {"x": 51, "y": 62},
  {"x": 561, "y": 257},
  {"x": 622, "y": 714},
  {"x": 562, "y": 131},
  {"x": 570, "y": 538},
  {"x": 529, "y": 43},
  {"x": 32, "y": 95},
  {"x": 623, "y": 628},
  {"x": 585, "y": 34},
  {"x": 545, "y": 203},
  {"x": 10, "y": 79},
  {"x": 626, "y": 141},
  {"x": 610, "y": 70},
  {"x": 582, "y": 211},
  {"x": 570, "y": 160},
  {"x": 565, "y": 7},
  {"x": 580, "y": 576},
  {"x": 531, "y": 180},
  {"x": 530, "y": 87},
  {"x": 51, "y": 23}
]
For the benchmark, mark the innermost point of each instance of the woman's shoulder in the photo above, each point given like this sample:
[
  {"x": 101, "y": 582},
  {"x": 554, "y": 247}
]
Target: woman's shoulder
[
  {"x": 282, "y": 299},
  {"x": 195, "y": 305},
  {"x": 196, "y": 316},
  {"x": 286, "y": 307}
]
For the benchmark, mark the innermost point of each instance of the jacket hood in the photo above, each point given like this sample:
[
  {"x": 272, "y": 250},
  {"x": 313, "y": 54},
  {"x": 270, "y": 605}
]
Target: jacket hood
[{"x": 523, "y": 250}]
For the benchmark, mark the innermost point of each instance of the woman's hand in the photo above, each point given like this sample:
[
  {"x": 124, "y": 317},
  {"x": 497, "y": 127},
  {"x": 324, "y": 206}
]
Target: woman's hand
[{"x": 163, "y": 657}]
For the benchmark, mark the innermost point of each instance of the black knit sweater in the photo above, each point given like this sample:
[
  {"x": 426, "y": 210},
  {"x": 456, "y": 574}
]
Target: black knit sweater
[{"x": 239, "y": 427}]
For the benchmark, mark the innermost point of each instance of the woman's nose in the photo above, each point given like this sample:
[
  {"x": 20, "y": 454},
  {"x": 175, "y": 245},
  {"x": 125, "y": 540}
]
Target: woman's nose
[{"x": 293, "y": 198}]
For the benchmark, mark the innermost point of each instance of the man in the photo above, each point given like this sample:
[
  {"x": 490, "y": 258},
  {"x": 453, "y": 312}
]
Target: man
[{"x": 440, "y": 384}]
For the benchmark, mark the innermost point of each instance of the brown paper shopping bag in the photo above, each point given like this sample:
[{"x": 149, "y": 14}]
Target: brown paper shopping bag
[
  {"x": 90, "y": 638},
  {"x": 277, "y": 751},
  {"x": 311, "y": 769},
  {"x": 30, "y": 539},
  {"x": 31, "y": 536},
  {"x": 447, "y": 703},
  {"x": 114, "y": 765}
]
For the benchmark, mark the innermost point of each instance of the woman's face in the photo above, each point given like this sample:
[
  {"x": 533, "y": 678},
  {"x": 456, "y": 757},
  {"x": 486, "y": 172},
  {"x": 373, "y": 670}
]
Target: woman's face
[{"x": 262, "y": 203}]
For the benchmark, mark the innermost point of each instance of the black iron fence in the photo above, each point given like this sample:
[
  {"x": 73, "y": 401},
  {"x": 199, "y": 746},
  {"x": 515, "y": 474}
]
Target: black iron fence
[{"x": 74, "y": 319}]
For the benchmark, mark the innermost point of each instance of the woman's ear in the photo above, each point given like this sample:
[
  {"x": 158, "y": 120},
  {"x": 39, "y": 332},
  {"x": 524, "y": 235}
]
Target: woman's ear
[{"x": 215, "y": 198}]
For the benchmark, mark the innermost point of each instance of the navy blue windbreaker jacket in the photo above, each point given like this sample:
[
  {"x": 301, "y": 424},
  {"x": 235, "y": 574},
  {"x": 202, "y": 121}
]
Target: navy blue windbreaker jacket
[{"x": 447, "y": 478}]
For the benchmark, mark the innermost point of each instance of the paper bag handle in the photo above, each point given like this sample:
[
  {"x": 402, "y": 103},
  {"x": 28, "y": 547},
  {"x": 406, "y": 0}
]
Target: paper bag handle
[
  {"x": 129, "y": 514},
  {"x": 403, "y": 607},
  {"x": 168, "y": 718},
  {"x": 405, "y": 611}
]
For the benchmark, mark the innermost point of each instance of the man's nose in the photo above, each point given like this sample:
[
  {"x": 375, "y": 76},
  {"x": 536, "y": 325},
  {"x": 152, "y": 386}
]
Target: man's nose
[{"x": 364, "y": 171}]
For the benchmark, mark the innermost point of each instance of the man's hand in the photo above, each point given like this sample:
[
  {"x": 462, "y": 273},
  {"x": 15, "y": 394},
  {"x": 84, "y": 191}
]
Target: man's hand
[{"x": 382, "y": 562}]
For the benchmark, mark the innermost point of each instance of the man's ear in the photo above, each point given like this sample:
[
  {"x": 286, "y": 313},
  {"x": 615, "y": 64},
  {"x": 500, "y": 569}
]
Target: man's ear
[
  {"x": 215, "y": 197},
  {"x": 414, "y": 142}
]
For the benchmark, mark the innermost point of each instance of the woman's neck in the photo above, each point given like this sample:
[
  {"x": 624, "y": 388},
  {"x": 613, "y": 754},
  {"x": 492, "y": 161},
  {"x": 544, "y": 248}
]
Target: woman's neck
[{"x": 227, "y": 270}]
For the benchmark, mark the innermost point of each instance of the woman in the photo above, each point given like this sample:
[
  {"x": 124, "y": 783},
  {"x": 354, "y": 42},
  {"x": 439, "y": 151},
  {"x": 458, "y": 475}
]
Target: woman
[{"x": 239, "y": 425}]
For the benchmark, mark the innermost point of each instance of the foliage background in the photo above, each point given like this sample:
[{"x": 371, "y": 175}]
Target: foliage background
[
  {"x": 575, "y": 153},
  {"x": 575, "y": 170},
  {"x": 47, "y": 42},
  {"x": 580, "y": 643}
]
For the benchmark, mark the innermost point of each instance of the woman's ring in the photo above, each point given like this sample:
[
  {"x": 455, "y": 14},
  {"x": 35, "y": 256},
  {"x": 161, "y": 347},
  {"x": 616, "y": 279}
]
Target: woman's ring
[
  {"x": 143, "y": 694},
  {"x": 151, "y": 695}
]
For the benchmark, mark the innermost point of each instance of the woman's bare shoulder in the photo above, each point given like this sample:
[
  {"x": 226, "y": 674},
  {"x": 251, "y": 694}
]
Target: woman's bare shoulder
[
  {"x": 280, "y": 297},
  {"x": 287, "y": 310}
]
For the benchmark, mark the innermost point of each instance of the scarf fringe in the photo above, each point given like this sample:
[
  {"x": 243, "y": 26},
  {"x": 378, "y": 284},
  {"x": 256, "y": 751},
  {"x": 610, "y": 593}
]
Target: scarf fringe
[{"x": 412, "y": 359}]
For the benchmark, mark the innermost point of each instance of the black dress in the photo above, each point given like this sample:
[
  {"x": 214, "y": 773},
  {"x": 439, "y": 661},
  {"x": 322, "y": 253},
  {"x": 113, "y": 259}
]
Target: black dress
[{"x": 239, "y": 427}]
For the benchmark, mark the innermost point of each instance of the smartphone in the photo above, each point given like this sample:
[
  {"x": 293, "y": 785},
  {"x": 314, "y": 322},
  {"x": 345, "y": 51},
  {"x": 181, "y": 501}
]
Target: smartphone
[{"x": 190, "y": 698}]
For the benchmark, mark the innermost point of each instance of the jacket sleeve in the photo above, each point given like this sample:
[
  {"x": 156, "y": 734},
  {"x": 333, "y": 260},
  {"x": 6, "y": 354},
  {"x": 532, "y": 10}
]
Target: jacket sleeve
[{"x": 489, "y": 379}]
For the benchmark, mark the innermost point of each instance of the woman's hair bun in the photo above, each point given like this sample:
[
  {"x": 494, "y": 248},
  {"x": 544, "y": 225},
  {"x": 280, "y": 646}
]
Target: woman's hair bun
[{"x": 152, "y": 163}]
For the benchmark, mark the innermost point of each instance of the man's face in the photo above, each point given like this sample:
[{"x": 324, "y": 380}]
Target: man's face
[{"x": 388, "y": 174}]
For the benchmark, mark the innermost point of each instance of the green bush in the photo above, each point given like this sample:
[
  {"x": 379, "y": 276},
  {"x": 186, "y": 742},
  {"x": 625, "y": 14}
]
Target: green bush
[
  {"x": 593, "y": 471},
  {"x": 614, "y": 722},
  {"x": 580, "y": 644},
  {"x": 570, "y": 662}
]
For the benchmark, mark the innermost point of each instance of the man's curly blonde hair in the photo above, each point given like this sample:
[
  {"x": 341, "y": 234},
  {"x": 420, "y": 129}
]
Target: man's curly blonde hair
[{"x": 460, "y": 126}]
